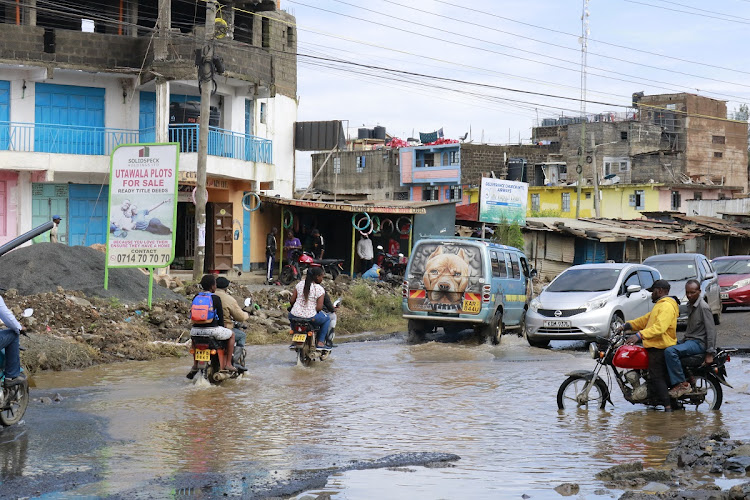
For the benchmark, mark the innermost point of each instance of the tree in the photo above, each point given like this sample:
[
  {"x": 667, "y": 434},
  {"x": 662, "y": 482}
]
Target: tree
[{"x": 509, "y": 234}]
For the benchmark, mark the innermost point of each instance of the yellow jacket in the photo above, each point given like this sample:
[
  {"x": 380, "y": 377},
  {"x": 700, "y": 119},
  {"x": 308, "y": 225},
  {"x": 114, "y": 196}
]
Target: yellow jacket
[{"x": 659, "y": 327}]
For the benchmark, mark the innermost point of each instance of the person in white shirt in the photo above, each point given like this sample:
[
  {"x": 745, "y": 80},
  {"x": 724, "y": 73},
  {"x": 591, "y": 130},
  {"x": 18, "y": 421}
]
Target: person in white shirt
[
  {"x": 53, "y": 232},
  {"x": 307, "y": 299},
  {"x": 365, "y": 252}
]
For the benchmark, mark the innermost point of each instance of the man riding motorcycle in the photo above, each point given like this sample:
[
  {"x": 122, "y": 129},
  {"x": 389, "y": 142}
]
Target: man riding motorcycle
[{"x": 232, "y": 312}]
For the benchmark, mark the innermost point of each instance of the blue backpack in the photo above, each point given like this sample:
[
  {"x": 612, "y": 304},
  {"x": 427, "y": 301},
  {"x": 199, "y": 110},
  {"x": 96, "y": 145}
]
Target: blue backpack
[{"x": 202, "y": 311}]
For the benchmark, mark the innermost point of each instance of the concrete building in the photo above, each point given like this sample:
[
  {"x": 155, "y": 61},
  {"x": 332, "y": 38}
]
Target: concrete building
[{"x": 78, "y": 82}]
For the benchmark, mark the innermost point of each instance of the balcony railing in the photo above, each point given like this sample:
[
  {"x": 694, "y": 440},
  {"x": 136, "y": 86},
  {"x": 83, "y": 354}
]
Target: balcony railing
[
  {"x": 79, "y": 140},
  {"x": 224, "y": 143}
]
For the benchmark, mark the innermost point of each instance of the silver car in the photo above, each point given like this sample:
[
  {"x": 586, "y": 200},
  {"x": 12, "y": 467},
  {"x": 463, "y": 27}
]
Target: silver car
[
  {"x": 678, "y": 268},
  {"x": 583, "y": 302}
]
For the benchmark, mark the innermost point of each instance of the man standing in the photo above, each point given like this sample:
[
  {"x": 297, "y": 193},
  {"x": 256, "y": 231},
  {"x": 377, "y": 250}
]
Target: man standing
[
  {"x": 364, "y": 252},
  {"x": 658, "y": 330},
  {"x": 271, "y": 247},
  {"x": 700, "y": 338},
  {"x": 9, "y": 340},
  {"x": 53, "y": 232},
  {"x": 232, "y": 312},
  {"x": 318, "y": 244}
]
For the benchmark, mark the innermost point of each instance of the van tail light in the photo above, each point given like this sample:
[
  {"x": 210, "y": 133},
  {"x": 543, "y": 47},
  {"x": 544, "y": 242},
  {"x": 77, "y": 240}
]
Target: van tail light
[
  {"x": 405, "y": 289},
  {"x": 486, "y": 293}
]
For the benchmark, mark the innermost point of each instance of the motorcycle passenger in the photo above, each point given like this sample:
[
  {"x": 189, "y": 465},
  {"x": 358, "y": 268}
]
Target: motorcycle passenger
[
  {"x": 9, "y": 340},
  {"x": 214, "y": 329},
  {"x": 232, "y": 312},
  {"x": 307, "y": 299},
  {"x": 658, "y": 330},
  {"x": 700, "y": 338}
]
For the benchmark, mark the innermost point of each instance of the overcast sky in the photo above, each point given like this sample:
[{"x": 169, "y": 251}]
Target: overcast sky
[{"x": 492, "y": 47}]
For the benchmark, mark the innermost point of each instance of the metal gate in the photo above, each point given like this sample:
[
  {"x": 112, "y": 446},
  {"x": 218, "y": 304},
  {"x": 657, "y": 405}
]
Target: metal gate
[
  {"x": 48, "y": 200},
  {"x": 88, "y": 213}
]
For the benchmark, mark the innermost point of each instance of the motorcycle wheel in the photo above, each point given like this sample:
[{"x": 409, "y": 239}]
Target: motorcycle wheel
[
  {"x": 286, "y": 276},
  {"x": 303, "y": 356},
  {"x": 17, "y": 399},
  {"x": 567, "y": 395},
  {"x": 711, "y": 394}
]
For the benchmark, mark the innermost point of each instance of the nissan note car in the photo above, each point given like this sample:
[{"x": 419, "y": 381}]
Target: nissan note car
[{"x": 584, "y": 302}]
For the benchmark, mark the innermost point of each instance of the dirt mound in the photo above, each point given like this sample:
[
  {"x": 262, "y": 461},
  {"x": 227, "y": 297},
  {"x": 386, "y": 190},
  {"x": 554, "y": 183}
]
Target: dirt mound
[{"x": 46, "y": 266}]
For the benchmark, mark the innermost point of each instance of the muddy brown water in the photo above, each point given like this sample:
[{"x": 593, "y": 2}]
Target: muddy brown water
[{"x": 142, "y": 427}]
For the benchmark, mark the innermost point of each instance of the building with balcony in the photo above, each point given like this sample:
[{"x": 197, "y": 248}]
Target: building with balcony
[{"x": 76, "y": 82}]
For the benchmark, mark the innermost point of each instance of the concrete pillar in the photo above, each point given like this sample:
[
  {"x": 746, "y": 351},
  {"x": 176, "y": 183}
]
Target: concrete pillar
[
  {"x": 165, "y": 24},
  {"x": 23, "y": 193},
  {"x": 30, "y": 13},
  {"x": 162, "y": 110},
  {"x": 228, "y": 14},
  {"x": 133, "y": 18}
]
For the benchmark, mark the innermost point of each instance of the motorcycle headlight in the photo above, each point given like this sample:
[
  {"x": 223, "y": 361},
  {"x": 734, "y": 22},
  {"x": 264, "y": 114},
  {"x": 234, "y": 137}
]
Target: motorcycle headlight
[
  {"x": 740, "y": 284},
  {"x": 535, "y": 304},
  {"x": 594, "y": 304},
  {"x": 594, "y": 350}
]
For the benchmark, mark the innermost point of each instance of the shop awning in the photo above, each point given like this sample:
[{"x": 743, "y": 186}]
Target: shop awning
[{"x": 379, "y": 207}]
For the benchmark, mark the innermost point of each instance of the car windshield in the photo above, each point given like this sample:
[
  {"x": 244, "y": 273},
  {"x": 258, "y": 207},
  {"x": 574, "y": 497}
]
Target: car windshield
[
  {"x": 585, "y": 280},
  {"x": 730, "y": 266},
  {"x": 675, "y": 270}
]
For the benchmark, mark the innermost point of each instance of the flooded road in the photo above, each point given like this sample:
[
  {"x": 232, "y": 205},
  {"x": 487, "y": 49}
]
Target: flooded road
[{"x": 141, "y": 430}]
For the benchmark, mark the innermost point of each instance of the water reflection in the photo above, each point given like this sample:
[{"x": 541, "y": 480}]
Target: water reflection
[{"x": 492, "y": 405}]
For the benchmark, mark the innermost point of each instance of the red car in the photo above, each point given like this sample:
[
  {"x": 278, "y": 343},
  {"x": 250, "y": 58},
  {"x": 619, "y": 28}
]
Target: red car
[{"x": 734, "y": 280}]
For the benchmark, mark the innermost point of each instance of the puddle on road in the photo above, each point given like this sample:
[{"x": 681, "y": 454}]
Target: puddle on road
[{"x": 494, "y": 406}]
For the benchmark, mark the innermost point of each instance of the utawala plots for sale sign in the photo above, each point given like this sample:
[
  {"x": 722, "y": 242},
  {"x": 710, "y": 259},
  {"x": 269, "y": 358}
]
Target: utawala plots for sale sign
[{"x": 142, "y": 205}]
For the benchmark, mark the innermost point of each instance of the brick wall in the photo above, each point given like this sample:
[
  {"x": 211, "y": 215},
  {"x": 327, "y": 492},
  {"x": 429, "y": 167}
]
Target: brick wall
[
  {"x": 379, "y": 178},
  {"x": 479, "y": 159}
]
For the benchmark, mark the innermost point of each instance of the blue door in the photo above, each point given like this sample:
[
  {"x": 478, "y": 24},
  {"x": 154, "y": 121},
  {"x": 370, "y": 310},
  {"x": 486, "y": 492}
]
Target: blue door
[
  {"x": 147, "y": 117},
  {"x": 88, "y": 213},
  {"x": 69, "y": 119},
  {"x": 4, "y": 114}
]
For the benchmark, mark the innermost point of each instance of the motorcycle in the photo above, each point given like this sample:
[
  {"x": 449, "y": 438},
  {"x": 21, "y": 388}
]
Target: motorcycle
[
  {"x": 300, "y": 261},
  {"x": 304, "y": 334},
  {"x": 13, "y": 400},
  {"x": 629, "y": 365}
]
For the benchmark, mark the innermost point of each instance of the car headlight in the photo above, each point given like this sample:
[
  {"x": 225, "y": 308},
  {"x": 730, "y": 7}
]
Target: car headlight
[
  {"x": 597, "y": 303},
  {"x": 740, "y": 284},
  {"x": 534, "y": 305}
]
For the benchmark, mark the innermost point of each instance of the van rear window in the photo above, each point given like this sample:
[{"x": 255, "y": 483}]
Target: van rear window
[{"x": 454, "y": 267}]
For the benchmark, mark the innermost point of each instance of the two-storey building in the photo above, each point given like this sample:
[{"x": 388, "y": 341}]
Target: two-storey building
[{"x": 77, "y": 82}]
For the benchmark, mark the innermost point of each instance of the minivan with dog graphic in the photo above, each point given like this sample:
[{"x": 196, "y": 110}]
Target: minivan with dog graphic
[{"x": 461, "y": 283}]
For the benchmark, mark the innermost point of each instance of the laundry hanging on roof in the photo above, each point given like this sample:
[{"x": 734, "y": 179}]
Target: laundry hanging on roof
[{"x": 424, "y": 138}]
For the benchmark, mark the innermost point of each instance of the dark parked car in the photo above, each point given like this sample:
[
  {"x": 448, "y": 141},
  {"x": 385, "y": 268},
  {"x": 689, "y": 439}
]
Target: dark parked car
[
  {"x": 678, "y": 268},
  {"x": 734, "y": 280}
]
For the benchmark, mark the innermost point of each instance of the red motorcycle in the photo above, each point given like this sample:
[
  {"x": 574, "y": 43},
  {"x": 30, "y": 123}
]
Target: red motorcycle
[
  {"x": 629, "y": 365},
  {"x": 300, "y": 261}
]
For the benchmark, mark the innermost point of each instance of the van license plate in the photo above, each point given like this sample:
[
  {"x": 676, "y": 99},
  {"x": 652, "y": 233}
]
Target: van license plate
[
  {"x": 203, "y": 355},
  {"x": 299, "y": 337},
  {"x": 557, "y": 324},
  {"x": 471, "y": 306},
  {"x": 724, "y": 295}
]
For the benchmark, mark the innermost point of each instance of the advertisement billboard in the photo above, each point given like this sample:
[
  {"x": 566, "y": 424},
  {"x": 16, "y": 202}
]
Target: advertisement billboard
[
  {"x": 142, "y": 205},
  {"x": 503, "y": 201}
]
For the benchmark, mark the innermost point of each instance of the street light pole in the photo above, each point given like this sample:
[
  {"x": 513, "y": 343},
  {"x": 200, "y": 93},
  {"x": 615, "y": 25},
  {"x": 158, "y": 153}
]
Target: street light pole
[
  {"x": 597, "y": 212},
  {"x": 205, "y": 77}
]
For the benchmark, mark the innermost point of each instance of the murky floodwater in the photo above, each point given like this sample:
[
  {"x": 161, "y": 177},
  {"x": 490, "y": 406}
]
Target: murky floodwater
[{"x": 142, "y": 427}]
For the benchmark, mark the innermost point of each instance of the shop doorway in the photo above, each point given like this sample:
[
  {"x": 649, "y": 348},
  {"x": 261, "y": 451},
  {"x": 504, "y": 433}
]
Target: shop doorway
[
  {"x": 219, "y": 240},
  {"x": 184, "y": 253}
]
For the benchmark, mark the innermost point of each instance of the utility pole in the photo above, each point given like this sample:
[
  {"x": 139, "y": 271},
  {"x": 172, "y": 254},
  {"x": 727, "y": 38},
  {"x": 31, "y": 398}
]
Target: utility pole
[
  {"x": 205, "y": 78},
  {"x": 594, "y": 164},
  {"x": 584, "y": 40}
]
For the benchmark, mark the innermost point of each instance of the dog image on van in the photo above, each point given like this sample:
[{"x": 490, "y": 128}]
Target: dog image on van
[{"x": 446, "y": 276}]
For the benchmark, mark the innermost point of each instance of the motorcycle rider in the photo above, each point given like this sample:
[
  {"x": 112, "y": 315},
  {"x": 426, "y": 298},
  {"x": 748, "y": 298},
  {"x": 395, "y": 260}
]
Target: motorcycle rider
[
  {"x": 329, "y": 308},
  {"x": 307, "y": 303},
  {"x": 232, "y": 312},
  {"x": 658, "y": 330},
  {"x": 215, "y": 328},
  {"x": 9, "y": 340},
  {"x": 291, "y": 243},
  {"x": 700, "y": 338}
]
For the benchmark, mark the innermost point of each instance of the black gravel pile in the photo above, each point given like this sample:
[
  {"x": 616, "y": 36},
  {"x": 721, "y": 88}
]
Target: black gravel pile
[{"x": 43, "y": 267}]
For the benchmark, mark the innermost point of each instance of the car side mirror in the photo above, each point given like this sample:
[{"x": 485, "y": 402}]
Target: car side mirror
[
  {"x": 533, "y": 273},
  {"x": 633, "y": 289}
]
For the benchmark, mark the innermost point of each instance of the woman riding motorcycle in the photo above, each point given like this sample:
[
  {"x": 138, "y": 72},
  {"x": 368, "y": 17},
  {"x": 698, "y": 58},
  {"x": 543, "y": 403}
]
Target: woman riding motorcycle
[{"x": 307, "y": 303}]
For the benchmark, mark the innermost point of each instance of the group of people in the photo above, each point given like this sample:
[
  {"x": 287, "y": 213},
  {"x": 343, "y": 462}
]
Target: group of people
[
  {"x": 309, "y": 302},
  {"x": 657, "y": 331},
  {"x": 316, "y": 245}
]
